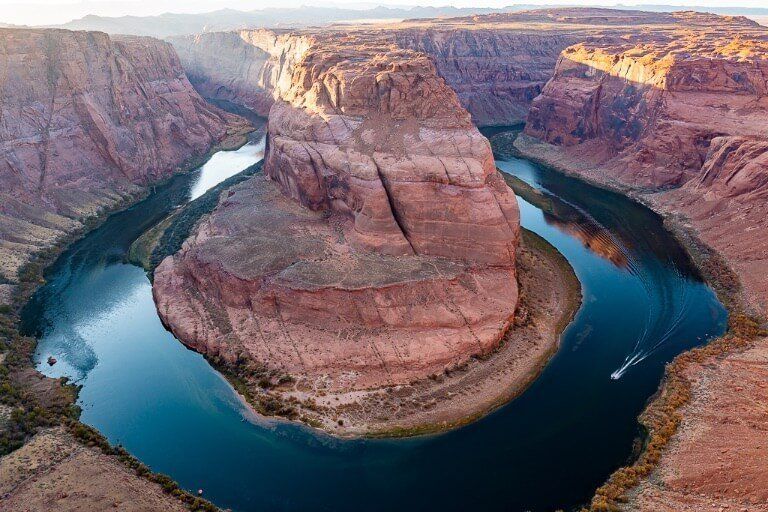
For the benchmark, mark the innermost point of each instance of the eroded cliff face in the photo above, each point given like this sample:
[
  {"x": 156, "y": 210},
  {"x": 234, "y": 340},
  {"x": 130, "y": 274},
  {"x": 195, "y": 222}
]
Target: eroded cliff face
[
  {"x": 247, "y": 67},
  {"x": 87, "y": 122},
  {"x": 380, "y": 251},
  {"x": 497, "y": 64},
  {"x": 495, "y": 72},
  {"x": 652, "y": 105},
  {"x": 679, "y": 120},
  {"x": 682, "y": 112},
  {"x": 384, "y": 141}
]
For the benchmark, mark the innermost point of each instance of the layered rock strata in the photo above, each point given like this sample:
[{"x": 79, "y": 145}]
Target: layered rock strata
[
  {"x": 682, "y": 113},
  {"x": 496, "y": 64},
  {"x": 87, "y": 122},
  {"x": 679, "y": 120},
  {"x": 380, "y": 251}
]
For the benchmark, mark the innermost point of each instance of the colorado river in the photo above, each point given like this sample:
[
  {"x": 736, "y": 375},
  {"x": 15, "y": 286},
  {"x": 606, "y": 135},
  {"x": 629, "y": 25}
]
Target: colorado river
[{"x": 548, "y": 449}]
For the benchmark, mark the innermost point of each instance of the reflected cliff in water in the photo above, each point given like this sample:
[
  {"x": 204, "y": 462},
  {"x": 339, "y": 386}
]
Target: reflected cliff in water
[
  {"x": 573, "y": 221},
  {"x": 623, "y": 232},
  {"x": 608, "y": 224}
]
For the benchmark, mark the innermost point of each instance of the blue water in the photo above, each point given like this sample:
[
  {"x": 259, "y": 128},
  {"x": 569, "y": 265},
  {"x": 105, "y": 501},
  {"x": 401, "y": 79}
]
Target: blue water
[{"x": 548, "y": 449}]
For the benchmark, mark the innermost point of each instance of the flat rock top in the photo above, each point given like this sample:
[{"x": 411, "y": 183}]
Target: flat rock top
[{"x": 256, "y": 231}]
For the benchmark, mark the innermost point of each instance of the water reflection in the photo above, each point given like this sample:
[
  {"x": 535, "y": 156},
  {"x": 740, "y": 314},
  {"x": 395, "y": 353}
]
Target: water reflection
[
  {"x": 663, "y": 271},
  {"x": 70, "y": 324},
  {"x": 225, "y": 164},
  {"x": 574, "y": 221}
]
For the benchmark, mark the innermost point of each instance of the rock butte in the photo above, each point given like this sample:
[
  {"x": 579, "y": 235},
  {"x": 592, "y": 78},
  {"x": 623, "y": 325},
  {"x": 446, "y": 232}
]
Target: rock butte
[
  {"x": 88, "y": 121},
  {"x": 669, "y": 106},
  {"x": 364, "y": 129},
  {"x": 381, "y": 251}
]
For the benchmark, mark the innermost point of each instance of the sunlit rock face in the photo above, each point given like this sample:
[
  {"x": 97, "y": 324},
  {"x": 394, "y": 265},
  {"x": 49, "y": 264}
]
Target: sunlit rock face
[
  {"x": 496, "y": 64},
  {"x": 380, "y": 250},
  {"x": 683, "y": 111},
  {"x": 384, "y": 141},
  {"x": 247, "y": 67},
  {"x": 87, "y": 121},
  {"x": 651, "y": 103}
]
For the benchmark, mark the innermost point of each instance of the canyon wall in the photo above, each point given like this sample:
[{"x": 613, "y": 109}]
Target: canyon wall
[
  {"x": 246, "y": 67},
  {"x": 497, "y": 64},
  {"x": 87, "y": 122},
  {"x": 680, "y": 120},
  {"x": 683, "y": 113},
  {"x": 391, "y": 237},
  {"x": 496, "y": 73}
]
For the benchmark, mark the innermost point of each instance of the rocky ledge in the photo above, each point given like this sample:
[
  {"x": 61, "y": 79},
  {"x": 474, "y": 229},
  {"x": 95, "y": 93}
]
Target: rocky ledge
[{"x": 380, "y": 251}]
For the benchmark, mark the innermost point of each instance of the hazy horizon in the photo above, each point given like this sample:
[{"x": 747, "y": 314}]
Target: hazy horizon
[{"x": 49, "y": 12}]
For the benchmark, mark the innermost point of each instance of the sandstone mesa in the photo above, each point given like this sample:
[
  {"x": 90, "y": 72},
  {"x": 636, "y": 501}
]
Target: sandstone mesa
[{"x": 366, "y": 281}]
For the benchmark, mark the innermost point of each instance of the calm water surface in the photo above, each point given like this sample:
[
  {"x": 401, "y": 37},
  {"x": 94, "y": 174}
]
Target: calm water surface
[{"x": 548, "y": 449}]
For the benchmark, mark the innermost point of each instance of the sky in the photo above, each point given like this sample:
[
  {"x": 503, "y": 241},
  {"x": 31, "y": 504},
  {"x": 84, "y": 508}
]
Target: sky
[{"x": 42, "y": 12}]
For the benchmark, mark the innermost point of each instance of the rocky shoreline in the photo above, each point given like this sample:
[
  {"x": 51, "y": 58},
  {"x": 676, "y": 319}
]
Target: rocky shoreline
[
  {"x": 655, "y": 481},
  {"x": 448, "y": 400}
]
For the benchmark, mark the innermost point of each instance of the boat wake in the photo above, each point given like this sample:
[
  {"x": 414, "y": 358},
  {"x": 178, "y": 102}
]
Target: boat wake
[{"x": 664, "y": 318}]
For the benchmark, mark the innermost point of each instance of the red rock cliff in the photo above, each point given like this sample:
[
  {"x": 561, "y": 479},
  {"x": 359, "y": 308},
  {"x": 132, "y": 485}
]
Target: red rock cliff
[
  {"x": 381, "y": 251},
  {"x": 495, "y": 72},
  {"x": 496, "y": 64},
  {"x": 88, "y": 120},
  {"x": 680, "y": 118},
  {"x": 683, "y": 111},
  {"x": 245, "y": 67},
  {"x": 389, "y": 129}
]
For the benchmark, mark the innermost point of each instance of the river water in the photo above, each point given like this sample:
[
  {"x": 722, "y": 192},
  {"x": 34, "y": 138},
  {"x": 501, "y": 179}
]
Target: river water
[{"x": 548, "y": 449}]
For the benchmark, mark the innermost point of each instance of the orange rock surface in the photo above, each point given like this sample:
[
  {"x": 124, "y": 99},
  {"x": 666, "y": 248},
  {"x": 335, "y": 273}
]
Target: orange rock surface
[
  {"x": 683, "y": 112},
  {"x": 381, "y": 251}
]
